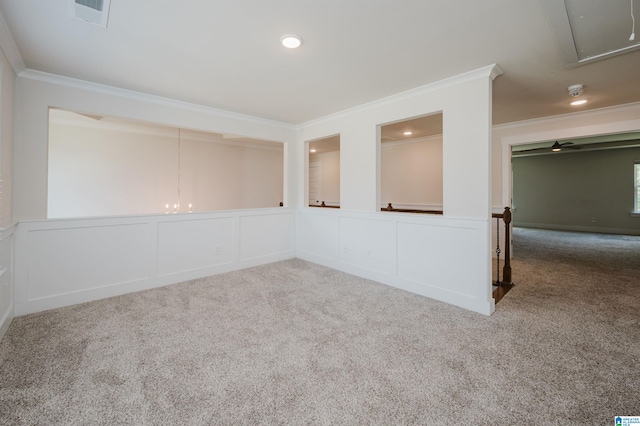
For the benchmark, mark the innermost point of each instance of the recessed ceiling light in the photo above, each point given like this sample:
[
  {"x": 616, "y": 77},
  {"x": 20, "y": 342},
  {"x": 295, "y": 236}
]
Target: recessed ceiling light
[
  {"x": 291, "y": 41},
  {"x": 580, "y": 102},
  {"x": 312, "y": 150},
  {"x": 407, "y": 133}
]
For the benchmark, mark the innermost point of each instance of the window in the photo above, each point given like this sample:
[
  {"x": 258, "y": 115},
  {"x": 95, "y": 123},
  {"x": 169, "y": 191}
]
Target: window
[{"x": 636, "y": 175}]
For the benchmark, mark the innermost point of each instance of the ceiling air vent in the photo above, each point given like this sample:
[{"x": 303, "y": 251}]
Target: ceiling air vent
[{"x": 92, "y": 11}]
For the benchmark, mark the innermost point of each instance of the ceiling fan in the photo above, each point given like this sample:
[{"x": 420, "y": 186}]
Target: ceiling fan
[{"x": 558, "y": 146}]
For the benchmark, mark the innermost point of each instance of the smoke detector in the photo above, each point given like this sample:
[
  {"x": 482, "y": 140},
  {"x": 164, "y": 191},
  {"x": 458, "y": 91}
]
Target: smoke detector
[{"x": 575, "y": 90}]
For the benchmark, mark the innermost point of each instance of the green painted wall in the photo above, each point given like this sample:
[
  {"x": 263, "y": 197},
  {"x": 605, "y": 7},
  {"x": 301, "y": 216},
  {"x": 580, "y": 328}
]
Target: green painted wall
[{"x": 567, "y": 190}]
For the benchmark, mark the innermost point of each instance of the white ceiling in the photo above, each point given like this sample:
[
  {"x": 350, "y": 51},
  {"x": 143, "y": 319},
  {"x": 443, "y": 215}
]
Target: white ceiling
[{"x": 226, "y": 53}]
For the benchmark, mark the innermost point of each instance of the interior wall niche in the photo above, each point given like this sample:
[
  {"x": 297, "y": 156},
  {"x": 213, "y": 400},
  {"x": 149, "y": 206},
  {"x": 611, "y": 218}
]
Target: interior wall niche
[
  {"x": 104, "y": 166},
  {"x": 323, "y": 189},
  {"x": 411, "y": 165}
]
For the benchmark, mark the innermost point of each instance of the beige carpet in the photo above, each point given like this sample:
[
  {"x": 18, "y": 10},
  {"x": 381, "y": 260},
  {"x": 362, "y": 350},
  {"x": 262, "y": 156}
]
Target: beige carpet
[{"x": 297, "y": 343}]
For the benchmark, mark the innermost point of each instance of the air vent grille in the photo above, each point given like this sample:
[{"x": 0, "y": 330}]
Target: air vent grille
[
  {"x": 93, "y": 4},
  {"x": 92, "y": 11}
]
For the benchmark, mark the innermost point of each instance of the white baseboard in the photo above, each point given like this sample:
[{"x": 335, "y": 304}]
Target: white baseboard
[
  {"x": 452, "y": 298},
  {"x": 89, "y": 295},
  {"x": 6, "y": 321}
]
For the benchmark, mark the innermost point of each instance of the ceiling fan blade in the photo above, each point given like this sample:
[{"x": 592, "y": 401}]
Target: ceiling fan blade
[{"x": 522, "y": 151}]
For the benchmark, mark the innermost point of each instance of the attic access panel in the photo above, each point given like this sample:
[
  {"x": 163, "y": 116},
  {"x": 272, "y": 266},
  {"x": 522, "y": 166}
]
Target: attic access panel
[{"x": 591, "y": 30}]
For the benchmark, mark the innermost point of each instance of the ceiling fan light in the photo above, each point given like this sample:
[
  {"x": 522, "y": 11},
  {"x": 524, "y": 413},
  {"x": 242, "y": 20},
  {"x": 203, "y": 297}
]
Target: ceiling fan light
[{"x": 556, "y": 147}]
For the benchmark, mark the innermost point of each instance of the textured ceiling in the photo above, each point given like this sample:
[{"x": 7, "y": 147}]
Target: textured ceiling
[{"x": 226, "y": 53}]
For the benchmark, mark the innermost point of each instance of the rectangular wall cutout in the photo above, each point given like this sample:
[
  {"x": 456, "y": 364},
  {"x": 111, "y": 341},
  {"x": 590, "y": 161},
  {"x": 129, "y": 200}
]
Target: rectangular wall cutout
[
  {"x": 323, "y": 184},
  {"x": 106, "y": 166},
  {"x": 411, "y": 165}
]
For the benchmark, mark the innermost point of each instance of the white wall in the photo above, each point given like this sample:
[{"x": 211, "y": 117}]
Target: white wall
[
  {"x": 7, "y": 81},
  {"x": 104, "y": 172},
  {"x": 411, "y": 173},
  {"x": 416, "y": 254},
  {"x": 222, "y": 176}
]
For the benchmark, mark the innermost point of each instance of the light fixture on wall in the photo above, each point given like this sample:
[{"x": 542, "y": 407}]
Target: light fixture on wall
[
  {"x": 312, "y": 150},
  {"x": 408, "y": 133},
  {"x": 291, "y": 41}
]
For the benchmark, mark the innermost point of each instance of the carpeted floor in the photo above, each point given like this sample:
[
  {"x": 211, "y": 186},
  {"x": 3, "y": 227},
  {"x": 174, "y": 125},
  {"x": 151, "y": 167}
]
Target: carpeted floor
[{"x": 297, "y": 343}]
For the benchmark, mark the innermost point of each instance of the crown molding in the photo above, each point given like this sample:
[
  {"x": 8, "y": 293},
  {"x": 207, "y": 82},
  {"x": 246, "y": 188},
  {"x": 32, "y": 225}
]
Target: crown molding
[
  {"x": 166, "y": 132},
  {"x": 10, "y": 48},
  {"x": 568, "y": 116},
  {"x": 44, "y": 77},
  {"x": 489, "y": 71}
]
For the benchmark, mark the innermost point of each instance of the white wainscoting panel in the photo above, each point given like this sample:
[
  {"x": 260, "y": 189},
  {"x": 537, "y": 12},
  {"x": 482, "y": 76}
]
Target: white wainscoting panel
[
  {"x": 439, "y": 257},
  {"x": 262, "y": 236},
  {"x": 319, "y": 235},
  {"x": 75, "y": 259},
  {"x": 6, "y": 278},
  {"x": 62, "y": 262},
  {"x": 368, "y": 244},
  {"x": 186, "y": 245},
  {"x": 423, "y": 249}
]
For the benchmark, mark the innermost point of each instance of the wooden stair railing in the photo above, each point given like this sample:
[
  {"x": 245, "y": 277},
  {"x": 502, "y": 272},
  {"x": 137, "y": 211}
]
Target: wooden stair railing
[{"x": 506, "y": 269}]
